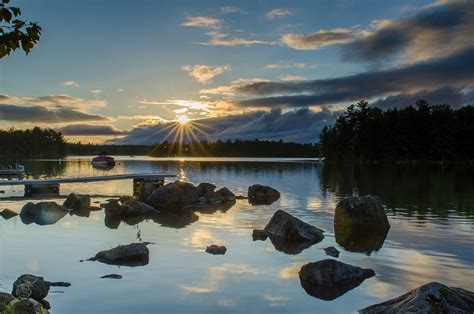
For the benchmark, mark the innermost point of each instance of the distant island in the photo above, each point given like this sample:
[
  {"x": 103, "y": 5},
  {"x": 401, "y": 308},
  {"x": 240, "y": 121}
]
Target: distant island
[{"x": 361, "y": 133}]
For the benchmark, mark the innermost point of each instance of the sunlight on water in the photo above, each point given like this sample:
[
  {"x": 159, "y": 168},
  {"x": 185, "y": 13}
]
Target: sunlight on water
[{"x": 431, "y": 215}]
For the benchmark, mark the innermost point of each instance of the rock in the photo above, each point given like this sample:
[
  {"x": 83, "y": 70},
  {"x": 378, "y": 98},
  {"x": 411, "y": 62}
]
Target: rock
[
  {"x": 204, "y": 188},
  {"x": 137, "y": 208},
  {"x": 179, "y": 219},
  {"x": 134, "y": 254},
  {"x": 8, "y": 213},
  {"x": 26, "y": 306},
  {"x": 5, "y": 300},
  {"x": 30, "y": 286},
  {"x": 259, "y": 235},
  {"x": 146, "y": 189},
  {"x": 173, "y": 196},
  {"x": 364, "y": 211},
  {"x": 289, "y": 227},
  {"x": 429, "y": 298},
  {"x": 226, "y": 194},
  {"x": 332, "y": 251},
  {"x": 213, "y": 198},
  {"x": 112, "y": 276},
  {"x": 329, "y": 279},
  {"x": 77, "y": 202},
  {"x": 216, "y": 249},
  {"x": 262, "y": 195},
  {"x": 125, "y": 198},
  {"x": 42, "y": 213}
]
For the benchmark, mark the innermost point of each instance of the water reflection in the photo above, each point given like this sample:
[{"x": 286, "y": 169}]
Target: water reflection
[{"x": 360, "y": 240}]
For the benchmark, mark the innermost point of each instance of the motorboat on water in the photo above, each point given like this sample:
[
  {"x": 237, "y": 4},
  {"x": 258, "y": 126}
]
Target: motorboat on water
[
  {"x": 103, "y": 161},
  {"x": 10, "y": 171}
]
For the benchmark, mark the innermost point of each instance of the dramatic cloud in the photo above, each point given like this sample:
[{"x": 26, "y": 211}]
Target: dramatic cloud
[
  {"x": 90, "y": 129},
  {"x": 318, "y": 39},
  {"x": 302, "y": 125},
  {"x": 223, "y": 39},
  {"x": 291, "y": 78},
  {"x": 229, "y": 10},
  {"x": 233, "y": 88},
  {"x": 454, "y": 71},
  {"x": 69, "y": 83},
  {"x": 277, "y": 13},
  {"x": 203, "y": 22},
  {"x": 58, "y": 100},
  {"x": 40, "y": 114},
  {"x": 437, "y": 30},
  {"x": 205, "y": 73}
]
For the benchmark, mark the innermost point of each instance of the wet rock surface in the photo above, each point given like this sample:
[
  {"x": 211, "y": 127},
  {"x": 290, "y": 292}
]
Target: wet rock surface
[
  {"x": 362, "y": 211},
  {"x": 134, "y": 254},
  {"x": 291, "y": 235},
  {"x": 216, "y": 249},
  {"x": 262, "y": 195},
  {"x": 173, "y": 195},
  {"x": 8, "y": 214},
  {"x": 258, "y": 234},
  {"x": 42, "y": 213},
  {"x": 429, "y": 298},
  {"x": 31, "y": 286},
  {"x": 329, "y": 279},
  {"x": 332, "y": 251}
]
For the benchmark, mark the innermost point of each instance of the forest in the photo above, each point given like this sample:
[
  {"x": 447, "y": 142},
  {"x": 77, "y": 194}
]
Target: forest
[
  {"x": 32, "y": 143},
  {"x": 425, "y": 132}
]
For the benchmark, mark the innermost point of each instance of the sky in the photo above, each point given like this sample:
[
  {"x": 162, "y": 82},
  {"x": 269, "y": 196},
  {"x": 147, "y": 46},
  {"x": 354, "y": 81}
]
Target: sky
[{"x": 139, "y": 72}]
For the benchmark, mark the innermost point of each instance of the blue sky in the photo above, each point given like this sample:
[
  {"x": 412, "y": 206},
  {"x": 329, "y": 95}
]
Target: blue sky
[{"x": 135, "y": 66}]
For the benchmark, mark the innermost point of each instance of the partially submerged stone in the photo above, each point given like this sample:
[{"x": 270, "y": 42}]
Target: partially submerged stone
[
  {"x": 173, "y": 196},
  {"x": 213, "y": 198},
  {"x": 134, "y": 254},
  {"x": 226, "y": 194},
  {"x": 262, "y": 195},
  {"x": 5, "y": 300},
  {"x": 429, "y": 298},
  {"x": 8, "y": 213},
  {"x": 26, "y": 306},
  {"x": 31, "y": 286},
  {"x": 258, "y": 234},
  {"x": 204, "y": 188},
  {"x": 329, "y": 279},
  {"x": 360, "y": 239},
  {"x": 42, "y": 213},
  {"x": 332, "y": 251},
  {"x": 291, "y": 235},
  {"x": 77, "y": 201},
  {"x": 216, "y": 249},
  {"x": 179, "y": 219}
]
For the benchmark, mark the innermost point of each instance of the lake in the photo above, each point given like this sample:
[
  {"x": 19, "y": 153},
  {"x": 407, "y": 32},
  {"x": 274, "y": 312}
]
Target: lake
[{"x": 430, "y": 209}]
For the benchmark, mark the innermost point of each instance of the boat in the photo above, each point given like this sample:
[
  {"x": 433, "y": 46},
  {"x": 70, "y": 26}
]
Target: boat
[
  {"x": 10, "y": 171},
  {"x": 103, "y": 161}
]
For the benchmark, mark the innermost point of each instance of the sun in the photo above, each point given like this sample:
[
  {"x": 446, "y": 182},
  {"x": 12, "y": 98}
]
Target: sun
[{"x": 183, "y": 120}]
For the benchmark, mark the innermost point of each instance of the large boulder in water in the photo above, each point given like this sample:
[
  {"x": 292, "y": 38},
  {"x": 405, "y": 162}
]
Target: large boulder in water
[
  {"x": 42, "y": 213},
  {"x": 30, "y": 286},
  {"x": 361, "y": 211},
  {"x": 173, "y": 196},
  {"x": 429, "y": 298},
  {"x": 291, "y": 235},
  {"x": 134, "y": 254},
  {"x": 77, "y": 201},
  {"x": 329, "y": 279},
  {"x": 262, "y": 195}
]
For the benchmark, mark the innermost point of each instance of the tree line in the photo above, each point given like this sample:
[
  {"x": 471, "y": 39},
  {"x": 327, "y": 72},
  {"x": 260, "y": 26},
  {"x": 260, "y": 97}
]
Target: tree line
[
  {"x": 34, "y": 143},
  {"x": 425, "y": 132}
]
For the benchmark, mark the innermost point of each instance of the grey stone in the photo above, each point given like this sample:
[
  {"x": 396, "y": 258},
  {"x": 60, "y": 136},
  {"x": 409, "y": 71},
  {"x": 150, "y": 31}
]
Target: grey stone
[
  {"x": 31, "y": 286},
  {"x": 332, "y": 251},
  {"x": 262, "y": 195}
]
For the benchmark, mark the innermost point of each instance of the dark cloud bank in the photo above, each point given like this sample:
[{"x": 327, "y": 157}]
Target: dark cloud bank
[{"x": 41, "y": 114}]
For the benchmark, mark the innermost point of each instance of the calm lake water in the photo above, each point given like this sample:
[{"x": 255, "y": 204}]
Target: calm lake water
[{"x": 431, "y": 212}]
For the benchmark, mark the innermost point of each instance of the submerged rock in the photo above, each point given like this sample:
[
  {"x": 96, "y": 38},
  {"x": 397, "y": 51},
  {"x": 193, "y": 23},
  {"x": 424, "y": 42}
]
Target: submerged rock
[
  {"x": 5, "y": 300},
  {"x": 262, "y": 195},
  {"x": 179, "y": 219},
  {"x": 8, "y": 213},
  {"x": 429, "y": 298},
  {"x": 291, "y": 235},
  {"x": 112, "y": 276},
  {"x": 26, "y": 306},
  {"x": 364, "y": 211},
  {"x": 332, "y": 251},
  {"x": 77, "y": 201},
  {"x": 358, "y": 239},
  {"x": 31, "y": 286},
  {"x": 137, "y": 208},
  {"x": 329, "y": 279},
  {"x": 216, "y": 249},
  {"x": 173, "y": 196},
  {"x": 134, "y": 254},
  {"x": 258, "y": 234},
  {"x": 42, "y": 213}
]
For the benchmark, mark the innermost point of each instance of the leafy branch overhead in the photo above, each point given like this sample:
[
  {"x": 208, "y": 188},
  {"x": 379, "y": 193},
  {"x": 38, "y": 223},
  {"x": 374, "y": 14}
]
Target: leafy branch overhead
[{"x": 16, "y": 33}]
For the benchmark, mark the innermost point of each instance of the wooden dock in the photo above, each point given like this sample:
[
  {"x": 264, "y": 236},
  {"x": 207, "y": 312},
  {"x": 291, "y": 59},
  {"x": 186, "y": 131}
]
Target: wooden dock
[{"x": 52, "y": 185}]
